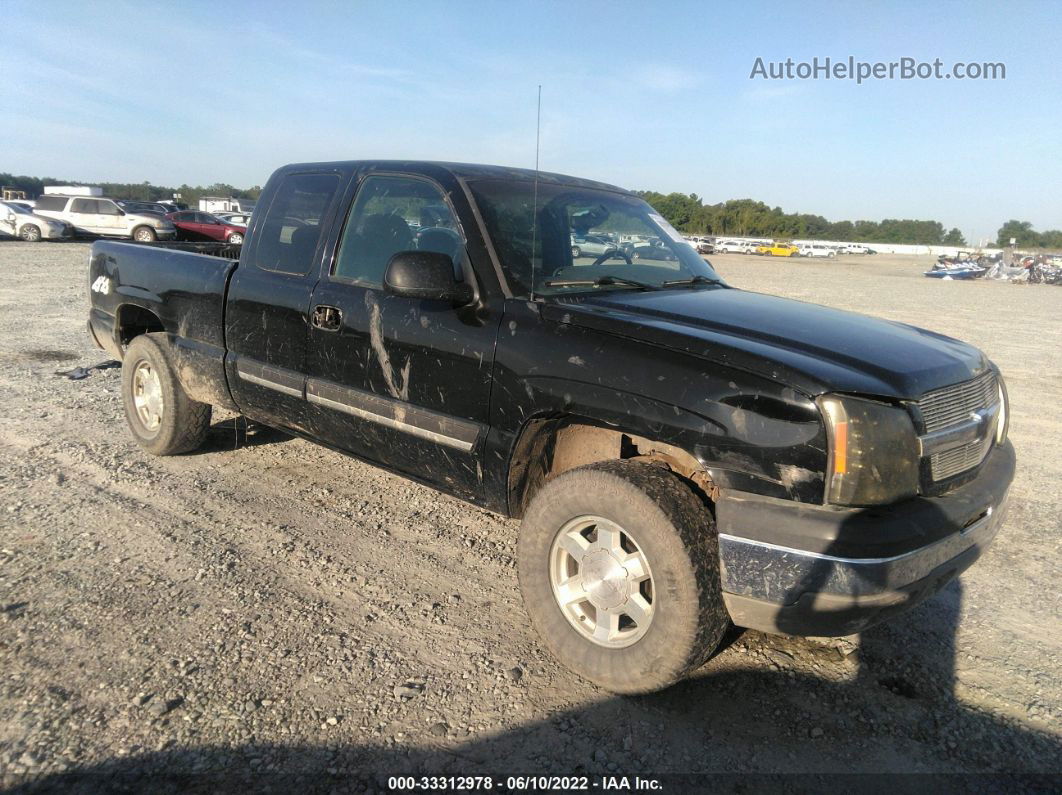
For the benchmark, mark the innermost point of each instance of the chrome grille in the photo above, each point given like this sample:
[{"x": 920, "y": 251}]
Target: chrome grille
[
  {"x": 954, "y": 404},
  {"x": 959, "y": 459}
]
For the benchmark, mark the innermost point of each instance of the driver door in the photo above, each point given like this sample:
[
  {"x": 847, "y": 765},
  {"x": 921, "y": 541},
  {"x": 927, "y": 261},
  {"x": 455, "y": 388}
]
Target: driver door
[{"x": 401, "y": 381}]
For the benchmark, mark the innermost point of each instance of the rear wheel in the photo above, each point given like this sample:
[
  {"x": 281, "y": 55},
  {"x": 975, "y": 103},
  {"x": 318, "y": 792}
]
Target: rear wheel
[
  {"x": 144, "y": 234},
  {"x": 576, "y": 252},
  {"x": 619, "y": 571},
  {"x": 163, "y": 419},
  {"x": 235, "y": 239},
  {"x": 31, "y": 233}
]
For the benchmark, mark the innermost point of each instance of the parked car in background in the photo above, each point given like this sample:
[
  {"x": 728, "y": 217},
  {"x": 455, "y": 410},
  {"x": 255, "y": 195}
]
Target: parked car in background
[
  {"x": 196, "y": 225},
  {"x": 133, "y": 206},
  {"x": 777, "y": 250},
  {"x": 244, "y": 219},
  {"x": 590, "y": 246},
  {"x": 816, "y": 250},
  {"x": 100, "y": 216},
  {"x": 660, "y": 253},
  {"x": 17, "y": 221},
  {"x": 854, "y": 248}
]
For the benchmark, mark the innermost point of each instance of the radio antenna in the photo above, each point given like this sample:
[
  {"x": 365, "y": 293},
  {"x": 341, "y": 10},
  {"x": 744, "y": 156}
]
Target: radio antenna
[{"x": 534, "y": 200}]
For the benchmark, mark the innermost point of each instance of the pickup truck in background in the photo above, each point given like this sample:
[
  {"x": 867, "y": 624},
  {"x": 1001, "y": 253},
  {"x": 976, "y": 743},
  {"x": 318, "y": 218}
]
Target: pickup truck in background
[{"x": 684, "y": 455}]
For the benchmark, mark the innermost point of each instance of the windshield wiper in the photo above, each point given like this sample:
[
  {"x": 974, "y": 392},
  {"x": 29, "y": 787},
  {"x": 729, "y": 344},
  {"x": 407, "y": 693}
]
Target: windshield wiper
[
  {"x": 698, "y": 279},
  {"x": 603, "y": 281}
]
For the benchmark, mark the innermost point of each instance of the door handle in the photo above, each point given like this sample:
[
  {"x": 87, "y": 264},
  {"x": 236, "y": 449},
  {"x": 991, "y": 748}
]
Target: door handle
[{"x": 327, "y": 318}]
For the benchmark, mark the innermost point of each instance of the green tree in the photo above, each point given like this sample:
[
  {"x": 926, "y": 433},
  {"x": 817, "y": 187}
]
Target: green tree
[
  {"x": 1021, "y": 231},
  {"x": 954, "y": 238}
]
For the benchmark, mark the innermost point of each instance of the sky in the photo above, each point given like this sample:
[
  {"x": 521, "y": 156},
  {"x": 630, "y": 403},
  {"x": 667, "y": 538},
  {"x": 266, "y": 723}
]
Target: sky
[{"x": 653, "y": 96}]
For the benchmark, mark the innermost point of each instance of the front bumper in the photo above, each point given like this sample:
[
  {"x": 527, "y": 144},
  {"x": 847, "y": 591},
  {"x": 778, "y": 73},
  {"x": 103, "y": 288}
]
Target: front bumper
[{"x": 821, "y": 570}]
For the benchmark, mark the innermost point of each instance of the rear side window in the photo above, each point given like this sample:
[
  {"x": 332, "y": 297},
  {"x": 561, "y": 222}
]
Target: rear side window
[
  {"x": 288, "y": 237},
  {"x": 86, "y": 206},
  {"x": 52, "y": 203}
]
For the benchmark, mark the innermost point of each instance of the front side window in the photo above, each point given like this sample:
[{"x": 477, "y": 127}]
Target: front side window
[
  {"x": 393, "y": 214},
  {"x": 287, "y": 240},
  {"x": 107, "y": 208},
  {"x": 568, "y": 236}
]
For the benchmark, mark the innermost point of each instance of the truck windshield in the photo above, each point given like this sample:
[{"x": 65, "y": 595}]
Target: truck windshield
[{"x": 583, "y": 239}]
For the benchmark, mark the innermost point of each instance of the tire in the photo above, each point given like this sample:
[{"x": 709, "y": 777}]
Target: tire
[
  {"x": 576, "y": 252},
  {"x": 832, "y": 254},
  {"x": 31, "y": 233},
  {"x": 166, "y": 421},
  {"x": 660, "y": 519},
  {"x": 144, "y": 234},
  {"x": 235, "y": 239}
]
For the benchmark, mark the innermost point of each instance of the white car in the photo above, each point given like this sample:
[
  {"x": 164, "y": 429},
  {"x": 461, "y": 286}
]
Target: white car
[
  {"x": 17, "y": 221},
  {"x": 816, "y": 250},
  {"x": 736, "y": 247},
  {"x": 854, "y": 248},
  {"x": 244, "y": 219},
  {"x": 98, "y": 216},
  {"x": 590, "y": 246}
]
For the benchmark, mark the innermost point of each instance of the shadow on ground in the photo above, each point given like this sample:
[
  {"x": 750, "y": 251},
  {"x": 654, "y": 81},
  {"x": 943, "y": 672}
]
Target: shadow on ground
[
  {"x": 237, "y": 433},
  {"x": 725, "y": 730}
]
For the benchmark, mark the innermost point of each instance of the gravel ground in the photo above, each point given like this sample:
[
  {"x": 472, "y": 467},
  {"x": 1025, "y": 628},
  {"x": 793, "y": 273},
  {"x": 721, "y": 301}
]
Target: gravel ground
[{"x": 270, "y": 611}]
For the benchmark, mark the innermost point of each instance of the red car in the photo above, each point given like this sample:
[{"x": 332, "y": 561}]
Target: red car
[{"x": 196, "y": 225}]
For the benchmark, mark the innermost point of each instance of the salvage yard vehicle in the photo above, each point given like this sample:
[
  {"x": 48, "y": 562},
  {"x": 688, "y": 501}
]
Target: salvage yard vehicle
[
  {"x": 816, "y": 250},
  {"x": 99, "y": 216},
  {"x": 777, "y": 250},
  {"x": 17, "y": 221},
  {"x": 196, "y": 225},
  {"x": 590, "y": 246},
  {"x": 684, "y": 455}
]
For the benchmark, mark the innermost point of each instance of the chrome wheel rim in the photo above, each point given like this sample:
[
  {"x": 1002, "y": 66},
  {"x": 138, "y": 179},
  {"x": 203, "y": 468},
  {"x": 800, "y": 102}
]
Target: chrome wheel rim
[
  {"x": 236, "y": 239},
  {"x": 143, "y": 235},
  {"x": 147, "y": 396},
  {"x": 602, "y": 582}
]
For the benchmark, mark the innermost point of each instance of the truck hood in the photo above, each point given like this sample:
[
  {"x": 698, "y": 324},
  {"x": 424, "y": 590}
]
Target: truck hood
[{"x": 807, "y": 346}]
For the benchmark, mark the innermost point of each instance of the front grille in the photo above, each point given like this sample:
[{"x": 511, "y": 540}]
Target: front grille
[
  {"x": 954, "y": 405},
  {"x": 951, "y": 405},
  {"x": 958, "y": 459}
]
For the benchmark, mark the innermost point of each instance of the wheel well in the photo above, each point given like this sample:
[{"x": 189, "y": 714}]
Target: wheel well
[
  {"x": 134, "y": 321},
  {"x": 548, "y": 447}
]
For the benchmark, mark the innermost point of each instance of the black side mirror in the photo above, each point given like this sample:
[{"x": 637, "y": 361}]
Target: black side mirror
[{"x": 425, "y": 274}]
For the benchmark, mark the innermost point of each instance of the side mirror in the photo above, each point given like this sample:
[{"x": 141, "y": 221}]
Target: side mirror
[{"x": 425, "y": 274}]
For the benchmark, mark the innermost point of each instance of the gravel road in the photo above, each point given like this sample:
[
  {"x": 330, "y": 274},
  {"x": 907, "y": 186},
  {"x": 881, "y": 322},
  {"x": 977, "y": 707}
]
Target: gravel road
[{"x": 267, "y": 610}]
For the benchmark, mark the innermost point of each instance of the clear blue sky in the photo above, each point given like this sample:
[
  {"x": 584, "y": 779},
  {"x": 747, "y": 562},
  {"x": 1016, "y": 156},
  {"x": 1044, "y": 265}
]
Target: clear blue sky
[{"x": 645, "y": 95}]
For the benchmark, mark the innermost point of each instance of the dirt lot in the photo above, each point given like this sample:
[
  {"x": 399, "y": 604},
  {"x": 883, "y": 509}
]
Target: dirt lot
[{"x": 267, "y": 608}]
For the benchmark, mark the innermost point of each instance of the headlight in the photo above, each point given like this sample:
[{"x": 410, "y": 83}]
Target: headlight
[
  {"x": 1003, "y": 420},
  {"x": 873, "y": 457}
]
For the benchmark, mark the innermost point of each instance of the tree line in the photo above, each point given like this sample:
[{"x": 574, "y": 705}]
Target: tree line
[
  {"x": 751, "y": 218},
  {"x": 137, "y": 191}
]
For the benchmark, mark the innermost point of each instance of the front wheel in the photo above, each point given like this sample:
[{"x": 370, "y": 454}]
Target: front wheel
[
  {"x": 144, "y": 234},
  {"x": 576, "y": 252},
  {"x": 163, "y": 419},
  {"x": 619, "y": 571},
  {"x": 31, "y": 233}
]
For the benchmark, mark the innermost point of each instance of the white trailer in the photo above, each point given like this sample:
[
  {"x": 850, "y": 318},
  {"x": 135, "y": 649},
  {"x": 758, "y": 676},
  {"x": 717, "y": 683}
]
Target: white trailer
[
  {"x": 72, "y": 190},
  {"x": 219, "y": 204}
]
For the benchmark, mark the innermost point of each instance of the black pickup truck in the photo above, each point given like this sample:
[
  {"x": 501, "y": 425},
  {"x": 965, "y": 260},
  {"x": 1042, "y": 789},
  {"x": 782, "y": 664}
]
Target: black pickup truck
[{"x": 683, "y": 454}]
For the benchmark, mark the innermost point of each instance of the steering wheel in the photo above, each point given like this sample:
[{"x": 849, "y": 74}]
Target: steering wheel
[{"x": 611, "y": 254}]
